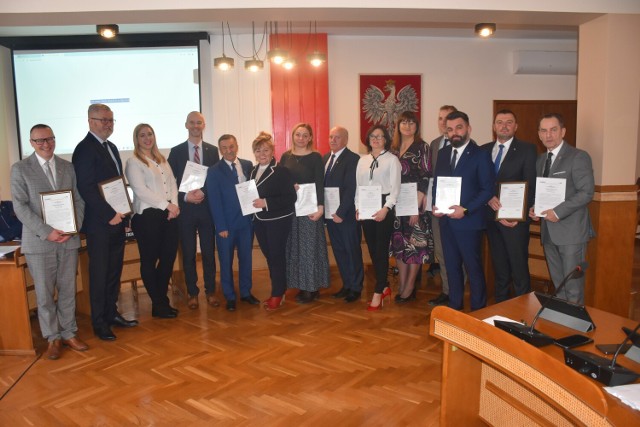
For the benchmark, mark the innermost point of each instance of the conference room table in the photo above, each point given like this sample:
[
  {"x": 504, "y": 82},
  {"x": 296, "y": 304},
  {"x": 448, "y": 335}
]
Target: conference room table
[{"x": 492, "y": 377}]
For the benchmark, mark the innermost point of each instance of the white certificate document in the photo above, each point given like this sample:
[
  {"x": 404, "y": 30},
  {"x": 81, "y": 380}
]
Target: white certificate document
[
  {"x": 407, "y": 204},
  {"x": 448, "y": 193},
  {"x": 512, "y": 197},
  {"x": 369, "y": 201},
  {"x": 59, "y": 212},
  {"x": 115, "y": 193},
  {"x": 550, "y": 192},
  {"x": 307, "y": 201},
  {"x": 247, "y": 192},
  {"x": 331, "y": 201},
  {"x": 193, "y": 177}
]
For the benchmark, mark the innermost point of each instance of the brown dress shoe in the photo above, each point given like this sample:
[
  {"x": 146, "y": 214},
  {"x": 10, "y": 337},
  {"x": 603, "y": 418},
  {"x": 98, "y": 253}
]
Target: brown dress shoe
[
  {"x": 212, "y": 300},
  {"x": 76, "y": 344},
  {"x": 54, "y": 350},
  {"x": 192, "y": 303}
]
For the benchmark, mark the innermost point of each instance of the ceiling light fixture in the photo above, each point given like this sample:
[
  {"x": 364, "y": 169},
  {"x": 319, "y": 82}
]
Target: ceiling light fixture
[
  {"x": 223, "y": 62},
  {"x": 277, "y": 55},
  {"x": 316, "y": 58},
  {"x": 254, "y": 64},
  {"x": 485, "y": 30},
  {"x": 107, "y": 31},
  {"x": 289, "y": 64}
]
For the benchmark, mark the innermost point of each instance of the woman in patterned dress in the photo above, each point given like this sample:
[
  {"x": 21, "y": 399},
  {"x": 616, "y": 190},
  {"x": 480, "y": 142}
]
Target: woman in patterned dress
[
  {"x": 307, "y": 259},
  {"x": 412, "y": 238}
]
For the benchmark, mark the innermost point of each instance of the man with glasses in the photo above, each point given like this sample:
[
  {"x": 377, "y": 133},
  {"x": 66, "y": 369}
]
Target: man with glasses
[
  {"x": 95, "y": 160},
  {"x": 566, "y": 229},
  {"x": 51, "y": 254}
]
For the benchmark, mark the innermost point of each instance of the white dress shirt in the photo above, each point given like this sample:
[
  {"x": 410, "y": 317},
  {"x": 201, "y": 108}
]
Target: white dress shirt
[{"x": 154, "y": 186}]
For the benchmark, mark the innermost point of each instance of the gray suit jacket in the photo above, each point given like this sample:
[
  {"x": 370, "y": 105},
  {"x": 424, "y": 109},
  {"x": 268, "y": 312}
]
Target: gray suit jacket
[
  {"x": 574, "y": 226},
  {"x": 435, "y": 147},
  {"x": 28, "y": 180}
]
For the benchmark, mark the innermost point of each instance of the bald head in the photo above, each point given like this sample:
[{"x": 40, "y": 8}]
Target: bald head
[
  {"x": 195, "y": 125},
  {"x": 338, "y": 138}
]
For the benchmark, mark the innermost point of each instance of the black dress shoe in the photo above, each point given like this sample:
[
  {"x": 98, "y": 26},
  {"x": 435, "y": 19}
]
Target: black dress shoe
[
  {"x": 342, "y": 293},
  {"x": 164, "y": 313},
  {"x": 231, "y": 305},
  {"x": 105, "y": 334},
  {"x": 251, "y": 300},
  {"x": 353, "y": 296},
  {"x": 442, "y": 299},
  {"x": 305, "y": 297},
  {"x": 174, "y": 310},
  {"x": 121, "y": 322}
]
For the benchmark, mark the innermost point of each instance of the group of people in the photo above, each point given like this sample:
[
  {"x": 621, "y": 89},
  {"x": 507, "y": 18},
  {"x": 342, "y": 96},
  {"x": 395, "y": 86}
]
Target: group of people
[{"x": 295, "y": 247}]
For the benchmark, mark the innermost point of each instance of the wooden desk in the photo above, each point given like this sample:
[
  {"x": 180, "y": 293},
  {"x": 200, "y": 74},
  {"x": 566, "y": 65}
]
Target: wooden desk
[
  {"x": 491, "y": 377},
  {"x": 15, "y": 326}
]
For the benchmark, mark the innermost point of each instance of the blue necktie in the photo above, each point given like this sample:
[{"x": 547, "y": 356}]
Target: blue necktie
[
  {"x": 496, "y": 164},
  {"x": 326, "y": 174},
  {"x": 235, "y": 171}
]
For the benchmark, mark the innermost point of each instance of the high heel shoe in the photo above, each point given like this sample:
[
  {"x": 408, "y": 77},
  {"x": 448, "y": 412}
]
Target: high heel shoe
[
  {"x": 273, "y": 303},
  {"x": 381, "y": 304},
  {"x": 386, "y": 293}
]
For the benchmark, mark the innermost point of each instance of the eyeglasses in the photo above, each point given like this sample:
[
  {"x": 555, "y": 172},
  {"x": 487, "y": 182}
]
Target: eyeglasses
[
  {"x": 40, "y": 141},
  {"x": 376, "y": 136},
  {"x": 103, "y": 121}
]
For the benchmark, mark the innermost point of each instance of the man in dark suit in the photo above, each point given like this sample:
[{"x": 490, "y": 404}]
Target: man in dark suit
[
  {"x": 52, "y": 256},
  {"x": 566, "y": 229},
  {"x": 235, "y": 231},
  {"x": 461, "y": 229},
  {"x": 95, "y": 159},
  {"x": 344, "y": 231},
  {"x": 514, "y": 160},
  {"x": 436, "y": 145},
  {"x": 195, "y": 217}
]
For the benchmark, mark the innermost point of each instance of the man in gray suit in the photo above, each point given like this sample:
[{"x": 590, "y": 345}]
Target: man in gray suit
[
  {"x": 566, "y": 229},
  {"x": 52, "y": 256},
  {"x": 435, "y": 146}
]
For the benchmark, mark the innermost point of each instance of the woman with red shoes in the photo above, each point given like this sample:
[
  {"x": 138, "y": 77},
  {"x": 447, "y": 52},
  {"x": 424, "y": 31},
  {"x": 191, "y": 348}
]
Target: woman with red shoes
[
  {"x": 379, "y": 168},
  {"x": 277, "y": 198}
]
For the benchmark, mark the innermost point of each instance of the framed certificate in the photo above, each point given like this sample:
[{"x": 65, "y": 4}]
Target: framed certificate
[
  {"x": 115, "y": 193},
  {"x": 513, "y": 198},
  {"x": 58, "y": 211}
]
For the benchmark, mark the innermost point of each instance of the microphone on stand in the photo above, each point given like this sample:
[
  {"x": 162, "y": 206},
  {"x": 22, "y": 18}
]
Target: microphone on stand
[
  {"x": 529, "y": 333},
  {"x": 600, "y": 368}
]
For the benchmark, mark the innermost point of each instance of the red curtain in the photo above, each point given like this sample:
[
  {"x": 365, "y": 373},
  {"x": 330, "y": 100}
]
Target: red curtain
[{"x": 300, "y": 94}]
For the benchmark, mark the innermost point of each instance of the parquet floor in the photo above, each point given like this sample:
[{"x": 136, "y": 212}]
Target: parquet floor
[{"x": 304, "y": 365}]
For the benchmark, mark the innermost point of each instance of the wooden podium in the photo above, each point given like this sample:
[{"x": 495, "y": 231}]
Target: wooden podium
[{"x": 490, "y": 377}]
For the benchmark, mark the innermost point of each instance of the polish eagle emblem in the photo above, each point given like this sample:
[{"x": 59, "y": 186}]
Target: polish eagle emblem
[{"x": 384, "y": 109}]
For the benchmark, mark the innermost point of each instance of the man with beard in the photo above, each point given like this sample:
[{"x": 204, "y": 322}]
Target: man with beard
[
  {"x": 461, "y": 230},
  {"x": 513, "y": 160}
]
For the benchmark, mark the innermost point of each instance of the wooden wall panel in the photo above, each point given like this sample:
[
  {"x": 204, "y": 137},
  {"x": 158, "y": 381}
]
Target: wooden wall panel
[{"x": 300, "y": 94}]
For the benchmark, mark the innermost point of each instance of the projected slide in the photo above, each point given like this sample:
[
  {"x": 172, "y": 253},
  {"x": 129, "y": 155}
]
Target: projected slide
[{"x": 158, "y": 86}]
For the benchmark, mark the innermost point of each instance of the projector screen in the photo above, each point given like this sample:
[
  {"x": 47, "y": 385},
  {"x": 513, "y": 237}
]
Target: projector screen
[{"x": 158, "y": 85}]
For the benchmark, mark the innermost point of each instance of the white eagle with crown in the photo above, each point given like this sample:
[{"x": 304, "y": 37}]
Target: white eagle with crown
[{"x": 383, "y": 110}]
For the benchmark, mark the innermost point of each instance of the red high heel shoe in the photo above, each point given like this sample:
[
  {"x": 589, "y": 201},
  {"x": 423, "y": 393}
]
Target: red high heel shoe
[
  {"x": 379, "y": 306},
  {"x": 273, "y": 303},
  {"x": 386, "y": 293}
]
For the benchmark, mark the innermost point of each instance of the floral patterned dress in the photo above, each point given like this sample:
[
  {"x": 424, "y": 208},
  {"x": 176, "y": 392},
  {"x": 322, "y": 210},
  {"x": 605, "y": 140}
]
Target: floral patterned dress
[{"x": 414, "y": 245}]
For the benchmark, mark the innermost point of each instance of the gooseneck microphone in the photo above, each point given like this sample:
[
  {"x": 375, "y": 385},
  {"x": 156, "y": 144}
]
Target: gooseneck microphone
[
  {"x": 529, "y": 333},
  {"x": 600, "y": 368}
]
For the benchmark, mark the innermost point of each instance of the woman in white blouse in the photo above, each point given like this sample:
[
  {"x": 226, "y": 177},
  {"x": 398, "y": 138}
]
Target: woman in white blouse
[
  {"x": 379, "y": 167},
  {"x": 155, "y": 207}
]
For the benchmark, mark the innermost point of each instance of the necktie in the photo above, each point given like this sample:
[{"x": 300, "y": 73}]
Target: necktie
[
  {"x": 106, "y": 147},
  {"x": 496, "y": 163},
  {"x": 196, "y": 154},
  {"x": 47, "y": 169},
  {"x": 326, "y": 174},
  {"x": 446, "y": 142},
  {"x": 235, "y": 171},
  {"x": 454, "y": 159},
  {"x": 547, "y": 165}
]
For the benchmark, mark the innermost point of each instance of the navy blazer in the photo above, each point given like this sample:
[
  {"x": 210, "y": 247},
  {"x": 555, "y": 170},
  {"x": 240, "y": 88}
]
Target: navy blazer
[
  {"x": 276, "y": 186},
  {"x": 93, "y": 164},
  {"x": 178, "y": 158},
  {"x": 519, "y": 164},
  {"x": 343, "y": 176},
  {"x": 478, "y": 181},
  {"x": 223, "y": 199}
]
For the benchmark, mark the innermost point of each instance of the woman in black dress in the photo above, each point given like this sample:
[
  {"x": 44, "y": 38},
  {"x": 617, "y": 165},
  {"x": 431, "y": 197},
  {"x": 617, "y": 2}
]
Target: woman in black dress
[{"x": 277, "y": 198}]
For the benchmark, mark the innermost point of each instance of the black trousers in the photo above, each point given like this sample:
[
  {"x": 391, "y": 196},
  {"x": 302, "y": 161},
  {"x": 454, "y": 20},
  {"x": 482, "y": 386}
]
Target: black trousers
[
  {"x": 272, "y": 238},
  {"x": 378, "y": 235},
  {"x": 158, "y": 245},
  {"x": 195, "y": 220}
]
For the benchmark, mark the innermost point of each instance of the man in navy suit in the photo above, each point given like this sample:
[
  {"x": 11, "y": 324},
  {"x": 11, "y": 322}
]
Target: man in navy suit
[
  {"x": 96, "y": 159},
  {"x": 461, "y": 229},
  {"x": 344, "y": 231},
  {"x": 195, "y": 217},
  {"x": 514, "y": 160},
  {"x": 234, "y": 230}
]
